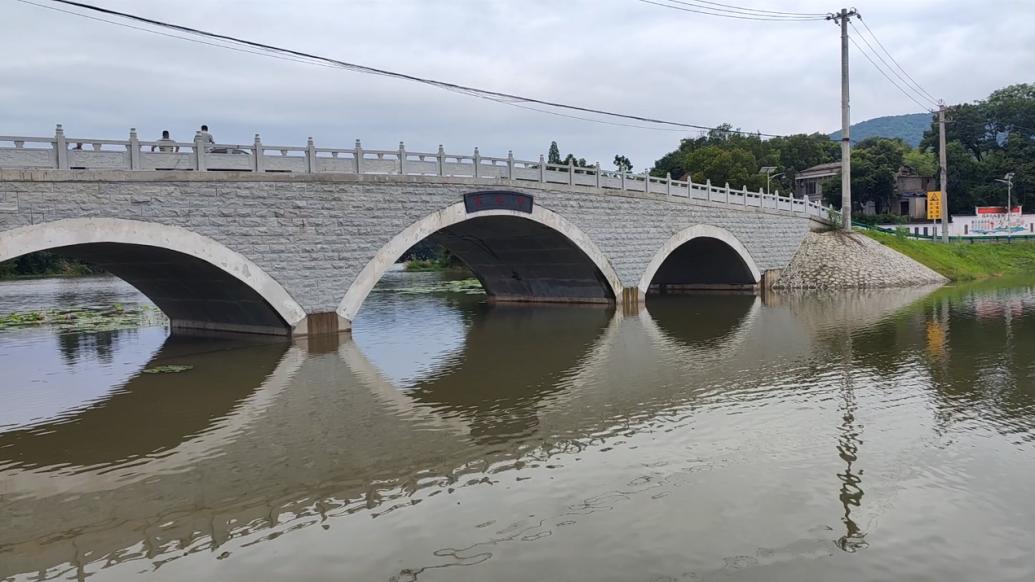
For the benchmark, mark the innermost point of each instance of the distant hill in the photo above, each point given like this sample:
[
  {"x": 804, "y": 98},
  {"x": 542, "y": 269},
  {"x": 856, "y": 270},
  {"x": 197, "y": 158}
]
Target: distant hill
[{"x": 910, "y": 128}]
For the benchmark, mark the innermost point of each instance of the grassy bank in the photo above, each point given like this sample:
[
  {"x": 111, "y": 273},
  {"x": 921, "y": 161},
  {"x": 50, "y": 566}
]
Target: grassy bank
[
  {"x": 965, "y": 261},
  {"x": 44, "y": 264},
  {"x": 422, "y": 265}
]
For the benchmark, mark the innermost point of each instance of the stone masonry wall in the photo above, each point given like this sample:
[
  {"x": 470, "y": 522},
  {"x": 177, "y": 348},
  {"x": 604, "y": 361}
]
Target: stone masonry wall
[{"x": 314, "y": 233}]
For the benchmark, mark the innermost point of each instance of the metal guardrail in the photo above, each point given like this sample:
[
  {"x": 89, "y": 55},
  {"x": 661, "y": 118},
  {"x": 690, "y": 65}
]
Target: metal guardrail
[
  {"x": 1008, "y": 239},
  {"x": 68, "y": 153}
]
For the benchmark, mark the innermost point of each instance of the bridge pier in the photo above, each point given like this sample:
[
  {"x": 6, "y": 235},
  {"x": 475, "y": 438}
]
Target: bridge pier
[{"x": 321, "y": 324}]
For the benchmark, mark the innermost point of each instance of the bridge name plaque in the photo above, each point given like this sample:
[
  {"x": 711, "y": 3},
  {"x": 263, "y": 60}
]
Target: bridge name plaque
[{"x": 497, "y": 200}]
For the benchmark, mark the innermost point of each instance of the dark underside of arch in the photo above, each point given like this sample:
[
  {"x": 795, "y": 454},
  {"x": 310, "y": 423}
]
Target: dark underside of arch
[
  {"x": 193, "y": 293},
  {"x": 517, "y": 259},
  {"x": 702, "y": 263}
]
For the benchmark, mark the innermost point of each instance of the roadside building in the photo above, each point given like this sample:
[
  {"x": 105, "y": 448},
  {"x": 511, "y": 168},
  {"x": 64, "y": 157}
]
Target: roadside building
[
  {"x": 809, "y": 182},
  {"x": 910, "y": 190}
]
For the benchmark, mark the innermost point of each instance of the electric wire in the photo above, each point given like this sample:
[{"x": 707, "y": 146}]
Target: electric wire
[
  {"x": 303, "y": 57},
  {"x": 730, "y": 14},
  {"x": 747, "y": 9},
  {"x": 881, "y": 45},
  {"x": 874, "y": 52},
  {"x": 886, "y": 76}
]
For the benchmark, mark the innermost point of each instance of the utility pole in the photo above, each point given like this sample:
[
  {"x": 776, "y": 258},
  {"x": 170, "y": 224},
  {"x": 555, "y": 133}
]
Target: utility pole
[
  {"x": 846, "y": 140},
  {"x": 944, "y": 177}
]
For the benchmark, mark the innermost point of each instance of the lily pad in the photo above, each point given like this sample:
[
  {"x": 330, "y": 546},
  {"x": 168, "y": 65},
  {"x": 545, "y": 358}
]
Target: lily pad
[{"x": 169, "y": 369}]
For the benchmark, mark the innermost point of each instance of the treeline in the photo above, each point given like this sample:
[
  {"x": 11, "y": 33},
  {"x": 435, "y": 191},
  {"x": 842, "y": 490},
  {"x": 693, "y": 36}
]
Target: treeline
[
  {"x": 44, "y": 264},
  {"x": 985, "y": 140},
  {"x": 726, "y": 155}
]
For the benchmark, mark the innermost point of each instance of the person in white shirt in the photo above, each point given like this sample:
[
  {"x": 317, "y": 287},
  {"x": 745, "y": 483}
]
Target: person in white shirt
[
  {"x": 166, "y": 144},
  {"x": 207, "y": 138}
]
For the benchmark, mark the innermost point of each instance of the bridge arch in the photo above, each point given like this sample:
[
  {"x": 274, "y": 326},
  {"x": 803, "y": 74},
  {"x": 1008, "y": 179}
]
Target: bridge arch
[
  {"x": 196, "y": 281},
  {"x": 701, "y": 254},
  {"x": 589, "y": 276}
]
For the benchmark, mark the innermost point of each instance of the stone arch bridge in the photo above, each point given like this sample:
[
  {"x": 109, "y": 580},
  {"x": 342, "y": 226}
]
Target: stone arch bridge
[{"x": 290, "y": 240}]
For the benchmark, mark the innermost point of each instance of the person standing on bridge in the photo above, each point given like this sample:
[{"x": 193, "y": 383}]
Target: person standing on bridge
[
  {"x": 166, "y": 143},
  {"x": 207, "y": 138}
]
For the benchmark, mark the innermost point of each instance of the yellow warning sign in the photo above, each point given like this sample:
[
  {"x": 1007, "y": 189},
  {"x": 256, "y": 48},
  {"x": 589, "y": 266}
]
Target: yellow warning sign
[{"x": 934, "y": 205}]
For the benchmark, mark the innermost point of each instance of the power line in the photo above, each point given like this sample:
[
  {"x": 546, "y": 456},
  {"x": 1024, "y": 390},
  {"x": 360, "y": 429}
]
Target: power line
[
  {"x": 748, "y": 10},
  {"x": 299, "y": 56},
  {"x": 731, "y": 14},
  {"x": 893, "y": 71},
  {"x": 881, "y": 45},
  {"x": 886, "y": 76}
]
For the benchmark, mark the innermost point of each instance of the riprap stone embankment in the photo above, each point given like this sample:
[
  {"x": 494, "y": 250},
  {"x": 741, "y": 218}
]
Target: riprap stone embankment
[{"x": 836, "y": 260}]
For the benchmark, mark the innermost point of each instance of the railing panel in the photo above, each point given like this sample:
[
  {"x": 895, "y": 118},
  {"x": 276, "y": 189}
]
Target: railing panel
[
  {"x": 284, "y": 164},
  {"x": 584, "y": 179},
  {"x": 459, "y": 169},
  {"x": 427, "y": 167},
  {"x": 491, "y": 171},
  {"x": 380, "y": 166},
  {"x": 611, "y": 181},
  {"x": 27, "y": 158},
  {"x": 98, "y": 160},
  {"x": 556, "y": 176},
  {"x": 166, "y": 161},
  {"x": 337, "y": 165},
  {"x": 229, "y": 162}
]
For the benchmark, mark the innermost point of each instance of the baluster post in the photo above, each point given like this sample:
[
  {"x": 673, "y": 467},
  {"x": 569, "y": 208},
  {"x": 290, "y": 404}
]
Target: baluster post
[
  {"x": 310, "y": 156},
  {"x": 402, "y": 159},
  {"x": 668, "y": 183},
  {"x": 744, "y": 195},
  {"x": 357, "y": 153},
  {"x": 510, "y": 165},
  {"x": 597, "y": 171},
  {"x": 571, "y": 171},
  {"x": 542, "y": 169},
  {"x": 257, "y": 155},
  {"x": 646, "y": 180},
  {"x": 477, "y": 163},
  {"x": 199, "y": 152},
  {"x": 761, "y": 198},
  {"x": 708, "y": 189},
  {"x": 60, "y": 148},
  {"x": 727, "y": 193},
  {"x": 440, "y": 157},
  {"x": 134, "y": 149},
  {"x": 621, "y": 176}
]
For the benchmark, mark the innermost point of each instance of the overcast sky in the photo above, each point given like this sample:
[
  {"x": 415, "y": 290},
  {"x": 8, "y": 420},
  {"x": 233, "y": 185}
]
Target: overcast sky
[{"x": 99, "y": 80}]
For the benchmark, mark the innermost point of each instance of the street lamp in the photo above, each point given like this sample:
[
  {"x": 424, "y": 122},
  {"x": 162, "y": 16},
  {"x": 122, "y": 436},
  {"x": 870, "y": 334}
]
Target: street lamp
[
  {"x": 768, "y": 171},
  {"x": 1008, "y": 180}
]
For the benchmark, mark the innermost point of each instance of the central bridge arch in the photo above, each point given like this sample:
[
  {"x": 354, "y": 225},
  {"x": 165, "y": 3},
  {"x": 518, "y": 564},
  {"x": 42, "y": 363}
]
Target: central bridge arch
[
  {"x": 701, "y": 255},
  {"x": 517, "y": 256}
]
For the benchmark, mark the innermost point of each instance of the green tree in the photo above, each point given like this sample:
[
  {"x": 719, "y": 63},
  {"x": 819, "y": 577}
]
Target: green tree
[
  {"x": 622, "y": 163},
  {"x": 875, "y": 163},
  {"x": 985, "y": 140},
  {"x": 554, "y": 157}
]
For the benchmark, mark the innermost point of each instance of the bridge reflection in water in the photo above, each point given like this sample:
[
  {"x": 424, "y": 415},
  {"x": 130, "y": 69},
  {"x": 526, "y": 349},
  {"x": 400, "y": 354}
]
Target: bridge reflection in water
[{"x": 262, "y": 440}]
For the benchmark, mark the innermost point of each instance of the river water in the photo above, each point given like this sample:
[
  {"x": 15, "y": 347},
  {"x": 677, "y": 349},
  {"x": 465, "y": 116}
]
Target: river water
[{"x": 853, "y": 436}]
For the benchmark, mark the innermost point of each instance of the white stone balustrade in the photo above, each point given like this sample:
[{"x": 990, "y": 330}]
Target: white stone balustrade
[{"x": 65, "y": 153}]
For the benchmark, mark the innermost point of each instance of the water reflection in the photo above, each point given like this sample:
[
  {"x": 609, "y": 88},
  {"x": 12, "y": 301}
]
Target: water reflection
[
  {"x": 152, "y": 412},
  {"x": 455, "y": 440}
]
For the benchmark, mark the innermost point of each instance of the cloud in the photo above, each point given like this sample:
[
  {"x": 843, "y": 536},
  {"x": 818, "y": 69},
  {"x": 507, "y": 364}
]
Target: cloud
[{"x": 99, "y": 79}]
